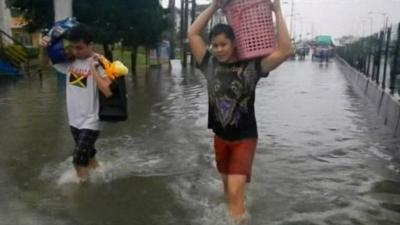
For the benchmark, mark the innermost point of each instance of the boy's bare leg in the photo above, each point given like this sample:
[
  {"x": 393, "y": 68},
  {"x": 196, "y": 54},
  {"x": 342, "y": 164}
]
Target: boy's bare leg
[
  {"x": 93, "y": 164},
  {"x": 82, "y": 172}
]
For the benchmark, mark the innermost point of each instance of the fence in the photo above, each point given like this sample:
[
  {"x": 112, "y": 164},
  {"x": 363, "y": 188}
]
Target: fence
[{"x": 377, "y": 57}]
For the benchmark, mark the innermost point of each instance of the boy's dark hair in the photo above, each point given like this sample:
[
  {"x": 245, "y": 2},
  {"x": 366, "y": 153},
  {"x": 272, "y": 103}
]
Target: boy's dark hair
[
  {"x": 222, "y": 29},
  {"x": 80, "y": 32}
]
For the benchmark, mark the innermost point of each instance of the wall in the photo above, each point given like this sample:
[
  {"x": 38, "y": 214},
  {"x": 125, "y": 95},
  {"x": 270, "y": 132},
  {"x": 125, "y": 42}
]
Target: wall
[{"x": 388, "y": 106}]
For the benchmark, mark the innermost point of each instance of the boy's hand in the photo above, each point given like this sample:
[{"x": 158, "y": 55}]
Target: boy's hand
[
  {"x": 45, "y": 41},
  {"x": 95, "y": 58},
  {"x": 95, "y": 61},
  {"x": 276, "y": 6}
]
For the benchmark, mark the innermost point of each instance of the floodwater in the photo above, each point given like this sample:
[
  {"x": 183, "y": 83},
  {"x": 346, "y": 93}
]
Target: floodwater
[{"x": 323, "y": 156}]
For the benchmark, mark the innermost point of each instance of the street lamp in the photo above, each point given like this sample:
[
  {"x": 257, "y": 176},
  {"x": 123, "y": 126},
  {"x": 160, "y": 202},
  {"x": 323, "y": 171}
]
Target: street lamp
[
  {"x": 363, "y": 28},
  {"x": 295, "y": 17},
  {"x": 301, "y": 20},
  {"x": 363, "y": 22},
  {"x": 384, "y": 16},
  {"x": 371, "y": 21},
  {"x": 309, "y": 27}
]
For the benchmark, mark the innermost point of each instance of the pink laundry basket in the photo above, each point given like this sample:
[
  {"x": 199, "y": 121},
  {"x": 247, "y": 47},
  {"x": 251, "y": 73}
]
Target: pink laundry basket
[{"x": 252, "y": 24}]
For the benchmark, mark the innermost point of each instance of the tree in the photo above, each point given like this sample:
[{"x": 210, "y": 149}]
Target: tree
[
  {"x": 152, "y": 33},
  {"x": 100, "y": 15},
  {"x": 172, "y": 31},
  {"x": 134, "y": 22},
  {"x": 103, "y": 17},
  {"x": 143, "y": 25}
]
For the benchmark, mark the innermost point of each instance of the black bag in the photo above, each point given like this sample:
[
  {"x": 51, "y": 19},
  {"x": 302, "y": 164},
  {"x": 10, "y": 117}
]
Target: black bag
[{"x": 114, "y": 108}]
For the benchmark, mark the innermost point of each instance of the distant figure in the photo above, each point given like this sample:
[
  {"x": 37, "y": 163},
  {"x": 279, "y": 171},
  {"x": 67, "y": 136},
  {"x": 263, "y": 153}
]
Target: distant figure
[
  {"x": 324, "y": 56},
  {"x": 302, "y": 53}
]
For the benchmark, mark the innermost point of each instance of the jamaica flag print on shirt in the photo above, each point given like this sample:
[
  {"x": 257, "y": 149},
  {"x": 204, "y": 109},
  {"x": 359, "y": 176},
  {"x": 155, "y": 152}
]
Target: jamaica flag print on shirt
[{"x": 78, "y": 77}]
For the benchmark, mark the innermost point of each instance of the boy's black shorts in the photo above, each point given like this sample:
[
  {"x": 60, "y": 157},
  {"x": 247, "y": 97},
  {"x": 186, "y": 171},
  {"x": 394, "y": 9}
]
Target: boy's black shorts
[{"x": 84, "y": 145}]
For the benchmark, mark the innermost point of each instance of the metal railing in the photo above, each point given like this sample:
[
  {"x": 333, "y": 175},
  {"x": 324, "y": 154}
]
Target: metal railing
[
  {"x": 377, "y": 57},
  {"x": 14, "y": 53}
]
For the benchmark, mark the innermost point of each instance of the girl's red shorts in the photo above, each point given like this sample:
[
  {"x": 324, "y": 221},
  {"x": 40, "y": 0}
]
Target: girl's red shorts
[{"x": 235, "y": 157}]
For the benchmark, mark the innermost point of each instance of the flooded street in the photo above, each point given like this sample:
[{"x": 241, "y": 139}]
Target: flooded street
[{"x": 323, "y": 156}]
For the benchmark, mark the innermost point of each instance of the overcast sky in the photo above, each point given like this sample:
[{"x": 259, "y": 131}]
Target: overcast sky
[{"x": 337, "y": 17}]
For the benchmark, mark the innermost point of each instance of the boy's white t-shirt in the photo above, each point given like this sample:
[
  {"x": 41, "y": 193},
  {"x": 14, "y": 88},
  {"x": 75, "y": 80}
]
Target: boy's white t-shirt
[{"x": 82, "y": 93}]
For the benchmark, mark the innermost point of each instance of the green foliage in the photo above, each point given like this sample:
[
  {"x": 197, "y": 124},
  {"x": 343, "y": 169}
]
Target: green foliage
[
  {"x": 39, "y": 13},
  {"x": 136, "y": 22}
]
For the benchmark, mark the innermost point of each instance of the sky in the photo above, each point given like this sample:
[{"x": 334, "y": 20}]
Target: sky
[{"x": 336, "y": 17}]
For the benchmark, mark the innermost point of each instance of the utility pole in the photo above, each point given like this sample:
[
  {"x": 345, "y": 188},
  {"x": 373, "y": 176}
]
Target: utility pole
[
  {"x": 5, "y": 18},
  {"x": 291, "y": 19},
  {"x": 62, "y": 9}
]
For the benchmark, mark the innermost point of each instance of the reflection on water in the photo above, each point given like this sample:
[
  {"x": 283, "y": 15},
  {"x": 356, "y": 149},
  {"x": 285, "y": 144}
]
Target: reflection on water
[{"x": 323, "y": 157}]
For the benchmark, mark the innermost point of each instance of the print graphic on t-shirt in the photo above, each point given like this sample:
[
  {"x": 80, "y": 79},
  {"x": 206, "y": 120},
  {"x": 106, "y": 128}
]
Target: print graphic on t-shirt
[
  {"x": 227, "y": 95},
  {"x": 229, "y": 111},
  {"x": 224, "y": 109},
  {"x": 78, "y": 77},
  {"x": 230, "y": 101}
]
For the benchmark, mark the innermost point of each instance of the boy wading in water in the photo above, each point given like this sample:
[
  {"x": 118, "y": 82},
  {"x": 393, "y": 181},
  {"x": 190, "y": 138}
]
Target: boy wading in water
[
  {"x": 84, "y": 81},
  {"x": 231, "y": 89}
]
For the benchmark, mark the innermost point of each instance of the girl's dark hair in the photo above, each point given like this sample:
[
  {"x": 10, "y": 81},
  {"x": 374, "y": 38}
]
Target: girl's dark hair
[
  {"x": 79, "y": 33},
  {"x": 222, "y": 29}
]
